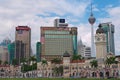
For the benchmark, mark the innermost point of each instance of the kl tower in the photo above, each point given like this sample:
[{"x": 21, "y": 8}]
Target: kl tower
[{"x": 92, "y": 21}]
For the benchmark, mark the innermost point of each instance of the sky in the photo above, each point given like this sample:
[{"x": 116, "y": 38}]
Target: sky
[{"x": 37, "y": 13}]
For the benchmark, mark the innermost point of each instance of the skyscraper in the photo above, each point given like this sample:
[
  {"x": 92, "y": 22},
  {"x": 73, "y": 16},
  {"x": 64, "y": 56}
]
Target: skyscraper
[
  {"x": 38, "y": 51},
  {"x": 56, "y": 40},
  {"x": 109, "y": 31},
  {"x": 22, "y": 42},
  {"x": 11, "y": 52}
]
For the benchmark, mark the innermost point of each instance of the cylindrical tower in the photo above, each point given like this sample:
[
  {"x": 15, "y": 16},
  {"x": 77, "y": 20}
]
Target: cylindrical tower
[{"x": 92, "y": 21}]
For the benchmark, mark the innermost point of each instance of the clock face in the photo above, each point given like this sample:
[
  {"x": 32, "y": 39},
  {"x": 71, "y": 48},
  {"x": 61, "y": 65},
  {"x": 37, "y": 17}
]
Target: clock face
[{"x": 98, "y": 39}]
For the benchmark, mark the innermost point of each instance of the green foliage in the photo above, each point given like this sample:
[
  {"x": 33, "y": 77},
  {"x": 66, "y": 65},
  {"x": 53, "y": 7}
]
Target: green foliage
[
  {"x": 94, "y": 63},
  {"x": 44, "y": 62},
  {"x": 56, "y": 61},
  {"x": 6, "y": 62},
  {"x": 76, "y": 57},
  {"x": 14, "y": 62},
  {"x": 111, "y": 60},
  {"x": 0, "y": 62}
]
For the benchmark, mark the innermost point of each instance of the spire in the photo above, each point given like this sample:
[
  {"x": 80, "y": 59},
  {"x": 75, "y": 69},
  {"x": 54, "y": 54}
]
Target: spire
[{"x": 91, "y": 10}]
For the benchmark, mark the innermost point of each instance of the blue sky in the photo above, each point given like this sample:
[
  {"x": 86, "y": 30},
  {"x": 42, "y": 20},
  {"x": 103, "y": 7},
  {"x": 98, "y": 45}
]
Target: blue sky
[{"x": 36, "y": 13}]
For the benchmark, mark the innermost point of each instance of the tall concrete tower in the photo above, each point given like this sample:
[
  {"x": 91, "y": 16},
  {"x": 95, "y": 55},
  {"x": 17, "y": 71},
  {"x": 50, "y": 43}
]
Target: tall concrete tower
[
  {"x": 100, "y": 41},
  {"x": 92, "y": 21},
  {"x": 22, "y": 42}
]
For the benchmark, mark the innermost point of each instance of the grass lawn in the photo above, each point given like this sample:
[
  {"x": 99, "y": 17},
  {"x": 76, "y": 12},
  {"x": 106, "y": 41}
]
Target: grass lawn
[{"x": 54, "y": 79}]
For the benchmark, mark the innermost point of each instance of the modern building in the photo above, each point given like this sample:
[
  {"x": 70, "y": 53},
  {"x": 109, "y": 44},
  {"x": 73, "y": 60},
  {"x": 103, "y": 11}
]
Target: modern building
[
  {"x": 86, "y": 52},
  {"x": 3, "y": 54},
  {"x": 38, "y": 51},
  {"x": 100, "y": 41},
  {"x": 56, "y": 40},
  {"x": 11, "y": 52},
  {"x": 5, "y": 42},
  {"x": 109, "y": 31},
  {"x": 22, "y": 42},
  {"x": 4, "y": 50}
]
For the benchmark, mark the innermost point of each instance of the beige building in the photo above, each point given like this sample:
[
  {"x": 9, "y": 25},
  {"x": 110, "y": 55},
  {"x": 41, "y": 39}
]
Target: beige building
[
  {"x": 3, "y": 54},
  {"x": 56, "y": 40},
  {"x": 22, "y": 42}
]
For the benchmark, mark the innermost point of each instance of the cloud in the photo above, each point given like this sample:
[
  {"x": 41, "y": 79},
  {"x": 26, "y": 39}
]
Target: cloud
[
  {"x": 35, "y": 13},
  {"x": 114, "y": 17}
]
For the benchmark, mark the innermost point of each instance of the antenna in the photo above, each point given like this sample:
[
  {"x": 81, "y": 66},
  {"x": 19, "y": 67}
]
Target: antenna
[{"x": 91, "y": 9}]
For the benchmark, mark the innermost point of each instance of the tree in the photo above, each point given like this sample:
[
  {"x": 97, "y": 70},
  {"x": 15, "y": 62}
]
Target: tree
[
  {"x": 76, "y": 57},
  {"x": 33, "y": 63},
  {"x": 6, "y": 62},
  {"x": 111, "y": 60},
  {"x": 44, "y": 62},
  {"x": 94, "y": 63},
  {"x": 0, "y": 62},
  {"x": 14, "y": 62},
  {"x": 56, "y": 69},
  {"x": 56, "y": 61}
]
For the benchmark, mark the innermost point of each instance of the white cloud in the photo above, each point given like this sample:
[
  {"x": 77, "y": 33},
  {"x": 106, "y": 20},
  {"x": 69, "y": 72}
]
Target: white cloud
[
  {"x": 114, "y": 17},
  {"x": 26, "y": 12}
]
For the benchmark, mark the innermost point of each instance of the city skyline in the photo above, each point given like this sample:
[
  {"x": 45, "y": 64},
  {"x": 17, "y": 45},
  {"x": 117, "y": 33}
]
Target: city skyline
[{"x": 14, "y": 13}]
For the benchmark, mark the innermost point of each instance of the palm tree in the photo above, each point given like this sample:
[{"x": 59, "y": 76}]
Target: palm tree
[
  {"x": 111, "y": 60},
  {"x": 56, "y": 61},
  {"x": 44, "y": 62},
  {"x": 56, "y": 69},
  {"x": 94, "y": 63},
  {"x": 6, "y": 62},
  {"x": 61, "y": 70},
  {"x": 76, "y": 58},
  {"x": 33, "y": 63}
]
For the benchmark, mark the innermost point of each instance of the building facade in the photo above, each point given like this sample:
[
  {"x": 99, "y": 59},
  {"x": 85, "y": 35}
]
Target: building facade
[
  {"x": 38, "y": 51},
  {"x": 11, "y": 52},
  {"x": 22, "y": 42},
  {"x": 109, "y": 31},
  {"x": 56, "y": 40}
]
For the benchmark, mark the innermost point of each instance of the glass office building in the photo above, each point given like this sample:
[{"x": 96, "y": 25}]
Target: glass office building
[{"x": 109, "y": 30}]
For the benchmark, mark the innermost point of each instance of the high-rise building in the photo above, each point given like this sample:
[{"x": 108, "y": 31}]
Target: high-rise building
[
  {"x": 11, "y": 52},
  {"x": 3, "y": 54},
  {"x": 109, "y": 31},
  {"x": 22, "y": 42},
  {"x": 5, "y": 42},
  {"x": 56, "y": 40},
  {"x": 38, "y": 51},
  {"x": 4, "y": 50},
  {"x": 100, "y": 41}
]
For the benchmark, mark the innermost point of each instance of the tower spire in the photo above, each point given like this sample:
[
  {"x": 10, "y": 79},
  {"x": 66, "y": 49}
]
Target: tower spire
[{"x": 91, "y": 10}]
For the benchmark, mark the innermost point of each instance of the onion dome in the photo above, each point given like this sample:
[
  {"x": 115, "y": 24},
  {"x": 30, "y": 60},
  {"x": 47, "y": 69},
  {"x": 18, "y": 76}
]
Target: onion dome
[
  {"x": 66, "y": 54},
  {"x": 99, "y": 30}
]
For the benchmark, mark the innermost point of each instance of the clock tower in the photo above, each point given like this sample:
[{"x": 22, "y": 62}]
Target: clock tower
[{"x": 100, "y": 41}]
